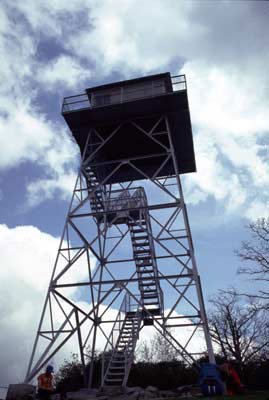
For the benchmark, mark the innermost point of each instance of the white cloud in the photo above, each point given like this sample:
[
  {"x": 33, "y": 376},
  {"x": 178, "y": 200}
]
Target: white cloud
[
  {"x": 147, "y": 38},
  {"x": 63, "y": 70},
  {"x": 60, "y": 161},
  {"x": 27, "y": 259},
  {"x": 26, "y": 134},
  {"x": 41, "y": 189},
  {"x": 230, "y": 120},
  {"x": 122, "y": 37},
  {"x": 258, "y": 208},
  {"x": 28, "y": 256},
  {"x": 23, "y": 136}
]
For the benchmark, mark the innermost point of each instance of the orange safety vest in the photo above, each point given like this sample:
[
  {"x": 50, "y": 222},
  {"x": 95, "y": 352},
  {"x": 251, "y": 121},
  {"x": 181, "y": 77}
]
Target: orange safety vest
[{"x": 45, "y": 381}]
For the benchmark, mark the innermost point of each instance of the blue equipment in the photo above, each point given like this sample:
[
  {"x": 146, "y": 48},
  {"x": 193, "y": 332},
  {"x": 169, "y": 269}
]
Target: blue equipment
[{"x": 210, "y": 380}]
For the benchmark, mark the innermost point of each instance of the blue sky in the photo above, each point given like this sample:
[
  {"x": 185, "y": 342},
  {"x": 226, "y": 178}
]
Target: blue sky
[{"x": 53, "y": 49}]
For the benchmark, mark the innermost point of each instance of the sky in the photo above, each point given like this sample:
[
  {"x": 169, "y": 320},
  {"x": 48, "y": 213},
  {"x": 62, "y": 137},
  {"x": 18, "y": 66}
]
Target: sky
[{"x": 56, "y": 48}]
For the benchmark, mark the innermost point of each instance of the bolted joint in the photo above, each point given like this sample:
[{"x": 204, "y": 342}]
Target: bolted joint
[{"x": 97, "y": 321}]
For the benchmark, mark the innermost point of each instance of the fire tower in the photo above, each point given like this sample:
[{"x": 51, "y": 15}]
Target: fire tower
[{"x": 126, "y": 242}]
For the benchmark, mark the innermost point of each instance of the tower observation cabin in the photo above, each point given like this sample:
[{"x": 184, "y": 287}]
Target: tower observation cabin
[
  {"x": 128, "y": 214},
  {"x": 139, "y": 100}
]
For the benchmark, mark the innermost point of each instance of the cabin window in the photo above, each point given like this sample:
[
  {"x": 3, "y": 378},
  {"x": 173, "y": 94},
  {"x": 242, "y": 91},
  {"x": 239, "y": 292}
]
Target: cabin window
[{"x": 128, "y": 92}]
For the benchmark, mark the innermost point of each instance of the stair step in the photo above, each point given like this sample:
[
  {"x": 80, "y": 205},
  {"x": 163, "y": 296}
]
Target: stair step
[
  {"x": 142, "y": 260},
  {"x": 140, "y": 237},
  {"x": 141, "y": 251},
  {"x": 117, "y": 362},
  {"x": 131, "y": 321},
  {"x": 145, "y": 259},
  {"x": 148, "y": 284},
  {"x": 150, "y": 271},
  {"x": 150, "y": 296},
  {"x": 146, "y": 279},
  {"x": 137, "y": 223},
  {"x": 147, "y": 264},
  {"x": 96, "y": 197},
  {"x": 117, "y": 359},
  {"x": 138, "y": 230},
  {"x": 141, "y": 244},
  {"x": 128, "y": 330},
  {"x": 115, "y": 373}
]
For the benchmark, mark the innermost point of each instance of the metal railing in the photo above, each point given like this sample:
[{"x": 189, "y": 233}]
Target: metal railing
[
  {"x": 125, "y": 93},
  {"x": 125, "y": 199}
]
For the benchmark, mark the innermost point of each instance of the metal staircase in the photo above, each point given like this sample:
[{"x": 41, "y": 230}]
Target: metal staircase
[
  {"x": 128, "y": 207},
  {"x": 117, "y": 365},
  {"x": 95, "y": 192},
  {"x": 146, "y": 267}
]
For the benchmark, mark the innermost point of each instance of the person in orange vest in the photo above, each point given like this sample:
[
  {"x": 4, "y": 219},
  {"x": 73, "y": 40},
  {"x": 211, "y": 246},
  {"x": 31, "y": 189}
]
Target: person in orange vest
[{"x": 45, "y": 384}]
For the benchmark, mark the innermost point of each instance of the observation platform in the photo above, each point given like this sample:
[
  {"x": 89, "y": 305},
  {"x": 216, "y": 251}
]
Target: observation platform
[{"x": 123, "y": 106}]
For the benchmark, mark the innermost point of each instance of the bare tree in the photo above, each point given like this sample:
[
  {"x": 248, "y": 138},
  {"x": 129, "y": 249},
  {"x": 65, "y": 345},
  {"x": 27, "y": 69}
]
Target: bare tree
[
  {"x": 162, "y": 348},
  {"x": 240, "y": 330},
  {"x": 157, "y": 349},
  {"x": 255, "y": 255},
  {"x": 145, "y": 352}
]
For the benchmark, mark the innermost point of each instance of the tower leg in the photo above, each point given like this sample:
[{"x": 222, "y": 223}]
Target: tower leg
[{"x": 191, "y": 249}]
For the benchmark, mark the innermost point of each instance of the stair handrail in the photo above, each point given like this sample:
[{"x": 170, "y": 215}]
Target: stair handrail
[
  {"x": 128, "y": 358},
  {"x": 117, "y": 203},
  {"x": 125, "y": 305},
  {"x": 126, "y": 198}
]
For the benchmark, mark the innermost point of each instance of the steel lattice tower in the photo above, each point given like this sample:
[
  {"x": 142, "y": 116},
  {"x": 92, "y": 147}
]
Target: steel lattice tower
[{"x": 126, "y": 241}]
